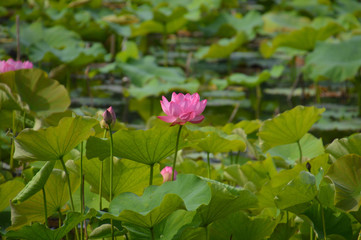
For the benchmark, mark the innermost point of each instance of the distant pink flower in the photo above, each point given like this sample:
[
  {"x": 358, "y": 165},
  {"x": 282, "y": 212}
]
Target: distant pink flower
[
  {"x": 183, "y": 108},
  {"x": 108, "y": 118},
  {"x": 11, "y": 65},
  {"x": 167, "y": 174}
]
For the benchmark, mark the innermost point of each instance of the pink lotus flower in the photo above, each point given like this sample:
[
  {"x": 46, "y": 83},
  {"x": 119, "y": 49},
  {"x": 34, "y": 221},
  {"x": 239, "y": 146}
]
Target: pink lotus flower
[
  {"x": 167, "y": 174},
  {"x": 11, "y": 65},
  {"x": 108, "y": 118},
  {"x": 183, "y": 108}
]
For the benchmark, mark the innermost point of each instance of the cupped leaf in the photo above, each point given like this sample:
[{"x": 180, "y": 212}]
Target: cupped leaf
[
  {"x": 8, "y": 190},
  {"x": 36, "y": 184},
  {"x": 345, "y": 173},
  {"x": 128, "y": 176},
  {"x": 240, "y": 226},
  {"x": 41, "y": 232},
  {"x": 158, "y": 202},
  {"x": 288, "y": 127},
  {"x": 54, "y": 142},
  {"x": 10, "y": 100},
  {"x": 105, "y": 231},
  {"x": 57, "y": 195},
  {"x": 344, "y": 146},
  {"x": 335, "y": 61},
  {"x": 143, "y": 146},
  {"x": 247, "y": 126},
  {"x": 42, "y": 94}
]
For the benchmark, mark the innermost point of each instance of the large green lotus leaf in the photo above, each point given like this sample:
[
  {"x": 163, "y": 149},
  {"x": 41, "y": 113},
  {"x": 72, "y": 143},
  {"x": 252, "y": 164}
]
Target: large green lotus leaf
[
  {"x": 256, "y": 172},
  {"x": 36, "y": 183},
  {"x": 300, "y": 190},
  {"x": 288, "y": 127},
  {"x": 335, "y": 61},
  {"x": 213, "y": 140},
  {"x": 199, "y": 168},
  {"x": 8, "y": 191},
  {"x": 337, "y": 223},
  {"x": 57, "y": 195},
  {"x": 240, "y": 226},
  {"x": 302, "y": 39},
  {"x": 54, "y": 142},
  {"x": 146, "y": 27},
  {"x": 187, "y": 192},
  {"x": 156, "y": 88},
  {"x": 345, "y": 173},
  {"x": 143, "y": 146},
  {"x": 249, "y": 81},
  {"x": 344, "y": 146},
  {"x": 194, "y": 233},
  {"x": 225, "y": 200},
  {"x": 41, "y": 232},
  {"x": 223, "y": 48},
  {"x": 42, "y": 94},
  {"x": 310, "y": 145},
  {"x": 128, "y": 176}
]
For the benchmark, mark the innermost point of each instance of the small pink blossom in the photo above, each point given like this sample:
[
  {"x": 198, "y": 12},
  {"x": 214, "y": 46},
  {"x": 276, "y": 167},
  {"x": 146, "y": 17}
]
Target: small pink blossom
[
  {"x": 109, "y": 117},
  {"x": 183, "y": 108},
  {"x": 11, "y": 65},
  {"x": 167, "y": 174}
]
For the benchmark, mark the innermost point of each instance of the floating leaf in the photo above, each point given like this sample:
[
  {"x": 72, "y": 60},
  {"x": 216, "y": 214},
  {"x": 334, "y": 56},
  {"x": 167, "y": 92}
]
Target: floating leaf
[
  {"x": 249, "y": 81},
  {"x": 345, "y": 173},
  {"x": 288, "y": 127},
  {"x": 54, "y": 142}
]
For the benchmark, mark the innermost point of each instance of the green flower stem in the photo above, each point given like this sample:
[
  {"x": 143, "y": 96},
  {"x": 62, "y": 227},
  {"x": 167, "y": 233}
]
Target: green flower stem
[
  {"x": 111, "y": 175},
  {"x": 45, "y": 208},
  {"x": 151, "y": 175},
  {"x": 81, "y": 187},
  {"x": 69, "y": 187},
  {"x": 101, "y": 178},
  {"x": 176, "y": 151},
  {"x": 165, "y": 46},
  {"x": 299, "y": 148},
  {"x": 209, "y": 166},
  {"x": 70, "y": 192},
  {"x": 258, "y": 100},
  {"x": 13, "y": 142},
  {"x": 323, "y": 218},
  {"x": 311, "y": 233},
  {"x": 152, "y": 233}
]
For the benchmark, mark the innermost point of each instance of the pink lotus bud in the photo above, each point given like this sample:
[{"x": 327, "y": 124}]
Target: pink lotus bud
[
  {"x": 167, "y": 174},
  {"x": 109, "y": 117},
  {"x": 183, "y": 108}
]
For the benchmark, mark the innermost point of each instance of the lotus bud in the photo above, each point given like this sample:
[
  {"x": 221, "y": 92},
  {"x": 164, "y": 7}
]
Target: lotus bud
[{"x": 167, "y": 174}]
